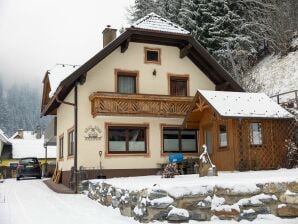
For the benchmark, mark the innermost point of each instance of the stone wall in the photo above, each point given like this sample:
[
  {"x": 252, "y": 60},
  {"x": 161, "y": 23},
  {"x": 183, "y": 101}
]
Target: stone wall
[{"x": 280, "y": 199}]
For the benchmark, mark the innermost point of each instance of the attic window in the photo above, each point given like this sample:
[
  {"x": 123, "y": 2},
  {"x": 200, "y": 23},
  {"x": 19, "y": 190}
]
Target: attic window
[{"x": 152, "y": 55}]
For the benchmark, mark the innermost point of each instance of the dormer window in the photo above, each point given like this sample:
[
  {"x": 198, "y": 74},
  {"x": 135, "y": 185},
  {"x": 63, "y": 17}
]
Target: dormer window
[{"x": 152, "y": 55}]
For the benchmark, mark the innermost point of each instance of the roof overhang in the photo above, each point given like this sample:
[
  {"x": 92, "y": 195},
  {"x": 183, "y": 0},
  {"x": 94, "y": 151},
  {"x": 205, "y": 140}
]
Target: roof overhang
[{"x": 186, "y": 43}]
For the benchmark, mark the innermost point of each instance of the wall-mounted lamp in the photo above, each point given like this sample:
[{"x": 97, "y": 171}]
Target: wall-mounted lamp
[{"x": 154, "y": 72}]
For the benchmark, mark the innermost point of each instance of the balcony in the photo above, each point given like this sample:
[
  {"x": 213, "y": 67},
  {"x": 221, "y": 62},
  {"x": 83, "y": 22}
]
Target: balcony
[{"x": 114, "y": 104}]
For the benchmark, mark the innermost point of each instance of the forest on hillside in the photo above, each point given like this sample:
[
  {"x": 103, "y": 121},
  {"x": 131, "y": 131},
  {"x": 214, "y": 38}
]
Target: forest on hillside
[
  {"x": 20, "y": 108},
  {"x": 238, "y": 33}
]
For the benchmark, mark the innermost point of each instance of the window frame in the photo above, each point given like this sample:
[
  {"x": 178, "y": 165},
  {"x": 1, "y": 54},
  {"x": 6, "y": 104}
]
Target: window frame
[
  {"x": 224, "y": 147},
  {"x": 251, "y": 134},
  {"x": 158, "y": 50},
  {"x": 131, "y": 73},
  {"x": 179, "y": 138},
  {"x": 61, "y": 146},
  {"x": 70, "y": 149},
  {"x": 127, "y": 127},
  {"x": 173, "y": 77}
]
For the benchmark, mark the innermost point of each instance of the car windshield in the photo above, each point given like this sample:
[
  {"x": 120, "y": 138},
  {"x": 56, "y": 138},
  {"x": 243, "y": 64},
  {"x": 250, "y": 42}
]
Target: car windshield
[{"x": 28, "y": 161}]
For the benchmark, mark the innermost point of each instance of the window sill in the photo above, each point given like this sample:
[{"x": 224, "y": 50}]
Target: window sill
[
  {"x": 223, "y": 148},
  {"x": 145, "y": 154},
  {"x": 164, "y": 154}
]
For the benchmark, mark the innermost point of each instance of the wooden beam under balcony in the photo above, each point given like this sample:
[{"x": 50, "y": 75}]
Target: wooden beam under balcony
[{"x": 114, "y": 104}]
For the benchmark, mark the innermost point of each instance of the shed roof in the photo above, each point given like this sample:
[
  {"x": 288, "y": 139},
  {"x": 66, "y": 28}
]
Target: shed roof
[
  {"x": 3, "y": 137},
  {"x": 154, "y": 22},
  {"x": 244, "y": 105}
]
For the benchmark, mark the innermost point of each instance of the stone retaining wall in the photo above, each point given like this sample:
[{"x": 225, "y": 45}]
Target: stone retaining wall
[{"x": 280, "y": 199}]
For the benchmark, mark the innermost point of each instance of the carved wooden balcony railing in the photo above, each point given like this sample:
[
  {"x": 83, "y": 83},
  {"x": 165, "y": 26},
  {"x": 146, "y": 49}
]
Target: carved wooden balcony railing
[{"x": 104, "y": 103}]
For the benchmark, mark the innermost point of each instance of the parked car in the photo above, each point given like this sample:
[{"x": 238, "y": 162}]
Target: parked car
[{"x": 29, "y": 167}]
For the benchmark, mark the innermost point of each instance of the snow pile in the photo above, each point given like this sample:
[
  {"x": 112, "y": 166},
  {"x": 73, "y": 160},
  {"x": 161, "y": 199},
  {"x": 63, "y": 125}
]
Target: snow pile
[
  {"x": 242, "y": 104},
  {"x": 155, "y": 22},
  {"x": 256, "y": 200},
  {"x": 179, "y": 212},
  {"x": 277, "y": 74},
  {"x": 163, "y": 200},
  {"x": 216, "y": 202}
]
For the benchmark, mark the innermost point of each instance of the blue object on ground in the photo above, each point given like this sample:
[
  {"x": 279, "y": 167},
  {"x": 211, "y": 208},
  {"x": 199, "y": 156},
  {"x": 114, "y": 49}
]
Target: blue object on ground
[{"x": 176, "y": 158}]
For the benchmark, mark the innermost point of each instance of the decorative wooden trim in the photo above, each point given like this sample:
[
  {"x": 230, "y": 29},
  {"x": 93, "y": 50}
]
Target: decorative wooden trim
[
  {"x": 120, "y": 155},
  {"x": 172, "y": 76},
  {"x": 112, "y": 104},
  {"x": 185, "y": 51},
  {"x": 163, "y": 154},
  {"x": 128, "y": 73},
  {"x": 152, "y": 49}
]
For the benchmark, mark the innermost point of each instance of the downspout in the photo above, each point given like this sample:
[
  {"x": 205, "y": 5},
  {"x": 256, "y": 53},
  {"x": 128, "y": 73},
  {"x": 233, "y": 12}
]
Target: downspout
[
  {"x": 76, "y": 136},
  {"x": 75, "y": 105}
]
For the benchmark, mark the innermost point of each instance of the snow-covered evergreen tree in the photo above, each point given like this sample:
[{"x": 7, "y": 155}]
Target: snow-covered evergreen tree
[{"x": 143, "y": 8}]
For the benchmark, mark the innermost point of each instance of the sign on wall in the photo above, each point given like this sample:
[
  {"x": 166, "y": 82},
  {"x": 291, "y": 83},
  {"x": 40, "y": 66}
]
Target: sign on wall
[{"x": 92, "y": 133}]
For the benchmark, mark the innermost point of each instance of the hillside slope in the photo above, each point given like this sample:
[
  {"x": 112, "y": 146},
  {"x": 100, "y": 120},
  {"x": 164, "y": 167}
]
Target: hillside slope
[{"x": 277, "y": 74}]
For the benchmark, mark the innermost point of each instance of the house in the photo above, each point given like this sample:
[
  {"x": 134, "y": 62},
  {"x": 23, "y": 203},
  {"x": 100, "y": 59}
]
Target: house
[
  {"x": 123, "y": 110},
  {"x": 26, "y": 144},
  {"x": 4, "y": 142},
  {"x": 242, "y": 131}
]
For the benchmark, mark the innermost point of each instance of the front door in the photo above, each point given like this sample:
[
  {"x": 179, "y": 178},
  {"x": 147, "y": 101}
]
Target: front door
[{"x": 208, "y": 140}]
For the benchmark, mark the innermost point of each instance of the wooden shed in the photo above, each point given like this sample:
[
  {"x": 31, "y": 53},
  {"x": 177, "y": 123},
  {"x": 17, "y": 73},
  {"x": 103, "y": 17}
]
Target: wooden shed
[{"x": 242, "y": 131}]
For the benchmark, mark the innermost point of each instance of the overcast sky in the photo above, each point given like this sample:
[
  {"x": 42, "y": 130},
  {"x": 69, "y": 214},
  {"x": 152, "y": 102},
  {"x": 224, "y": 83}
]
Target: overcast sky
[{"x": 37, "y": 34}]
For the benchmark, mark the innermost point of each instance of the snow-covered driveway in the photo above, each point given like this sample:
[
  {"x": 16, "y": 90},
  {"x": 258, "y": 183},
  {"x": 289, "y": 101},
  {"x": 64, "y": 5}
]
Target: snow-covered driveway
[{"x": 32, "y": 202}]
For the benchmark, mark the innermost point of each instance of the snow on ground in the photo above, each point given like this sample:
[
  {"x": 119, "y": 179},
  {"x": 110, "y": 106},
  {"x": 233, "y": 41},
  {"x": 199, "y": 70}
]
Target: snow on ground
[
  {"x": 193, "y": 184},
  {"x": 277, "y": 74},
  {"x": 32, "y": 202}
]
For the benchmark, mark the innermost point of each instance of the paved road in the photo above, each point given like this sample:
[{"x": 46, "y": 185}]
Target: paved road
[{"x": 32, "y": 202}]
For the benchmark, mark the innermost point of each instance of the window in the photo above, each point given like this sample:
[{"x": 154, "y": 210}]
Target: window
[
  {"x": 223, "y": 142},
  {"x": 152, "y": 55},
  {"x": 256, "y": 133},
  {"x": 178, "y": 86},
  {"x": 61, "y": 147},
  {"x": 179, "y": 140},
  {"x": 71, "y": 145},
  {"x": 126, "y": 82},
  {"x": 127, "y": 140}
]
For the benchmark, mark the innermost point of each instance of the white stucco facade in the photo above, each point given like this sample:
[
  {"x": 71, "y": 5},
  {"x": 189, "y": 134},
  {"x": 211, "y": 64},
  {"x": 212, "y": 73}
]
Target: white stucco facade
[{"x": 102, "y": 78}]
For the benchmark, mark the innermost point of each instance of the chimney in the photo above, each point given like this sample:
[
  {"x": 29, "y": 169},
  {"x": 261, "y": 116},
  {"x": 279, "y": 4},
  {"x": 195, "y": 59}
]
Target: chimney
[
  {"x": 21, "y": 133},
  {"x": 108, "y": 35}
]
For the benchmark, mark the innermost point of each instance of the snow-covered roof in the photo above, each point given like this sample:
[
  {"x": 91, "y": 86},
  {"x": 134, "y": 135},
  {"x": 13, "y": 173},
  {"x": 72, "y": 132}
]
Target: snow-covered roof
[
  {"x": 154, "y": 22},
  {"x": 58, "y": 73},
  {"x": 3, "y": 137},
  {"x": 31, "y": 148},
  {"x": 27, "y": 135},
  {"x": 242, "y": 104}
]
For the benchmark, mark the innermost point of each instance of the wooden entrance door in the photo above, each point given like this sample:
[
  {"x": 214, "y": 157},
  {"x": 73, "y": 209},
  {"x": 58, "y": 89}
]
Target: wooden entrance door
[{"x": 208, "y": 140}]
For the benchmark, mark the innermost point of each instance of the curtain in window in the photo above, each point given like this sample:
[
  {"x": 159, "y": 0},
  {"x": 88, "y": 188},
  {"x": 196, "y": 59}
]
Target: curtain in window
[
  {"x": 188, "y": 140},
  {"x": 256, "y": 132},
  {"x": 136, "y": 138},
  {"x": 179, "y": 87},
  {"x": 126, "y": 84}
]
